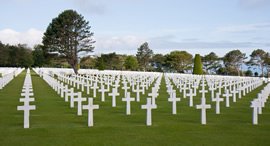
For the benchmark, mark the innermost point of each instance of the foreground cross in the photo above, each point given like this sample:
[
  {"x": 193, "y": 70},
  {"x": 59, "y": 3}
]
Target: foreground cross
[
  {"x": 26, "y": 108},
  {"x": 149, "y": 108},
  {"x": 203, "y": 106},
  {"x": 128, "y": 99},
  {"x": 90, "y": 107}
]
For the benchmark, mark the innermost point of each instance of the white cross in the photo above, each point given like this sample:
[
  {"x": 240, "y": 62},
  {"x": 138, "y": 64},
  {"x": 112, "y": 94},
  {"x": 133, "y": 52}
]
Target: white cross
[
  {"x": 26, "y": 100},
  {"x": 143, "y": 88},
  {"x": 149, "y": 108},
  {"x": 240, "y": 93},
  {"x": 102, "y": 90},
  {"x": 88, "y": 85},
  {"x": 234, "y": 94},
  {"x": 212, "y": 89},
  {"x": 153, "y": 95},
  {"x": 27, "y": 94},
  {"x": 80, "y": 99},
  {"x": 68, "y": 93},
  {"x": 26, "y": 108},
  {"x": 94, "y": 87},
  {"x": 195, "y": 88},
  {"x": 90, "y": 107},
  {"x": 58, "y": 87},
  {"x": 227, "y": 96},
  {"x": 218, "y": 100},
  {"x": 27, "y": 90},
  {"x": 72, "y": 97},
  {"x": 114, "y": 94},
  {"x": 260, "y": 100},
  {"x": 64, "y": 89},
  {"x": 170, "y": 90},
  {"x": 173, "y": 99},
  {"x": 184, "y": 90},
  {"x": 128, "y": 99},
  {"x": 125, "y": 88},
  {"x": 138, "y": 93},
  {"x": 203, "y": 91},
  {"x": 255, "y": 105},
  {"x": 190, "y": 94},
  {"x": 203, "y": 106}
]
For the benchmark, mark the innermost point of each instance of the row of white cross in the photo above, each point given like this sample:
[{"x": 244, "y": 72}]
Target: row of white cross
[
  {"x": 7, "y": 74},
  {"x": 27, "y": 92},
  {"x": 231, "y": 87},
  {"x": 259, "y": 103},
  {"x": 112, "y": 83},
  {"x": 65, "y": 93}
]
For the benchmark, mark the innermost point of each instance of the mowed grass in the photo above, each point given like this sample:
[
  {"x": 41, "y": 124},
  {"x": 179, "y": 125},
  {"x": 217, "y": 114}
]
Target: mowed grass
[{"x": 55, "y": 123}]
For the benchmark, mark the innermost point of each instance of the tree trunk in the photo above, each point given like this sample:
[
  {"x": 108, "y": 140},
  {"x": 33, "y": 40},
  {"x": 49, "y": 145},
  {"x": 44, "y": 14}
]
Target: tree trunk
[{"x": 75, "y": 69}]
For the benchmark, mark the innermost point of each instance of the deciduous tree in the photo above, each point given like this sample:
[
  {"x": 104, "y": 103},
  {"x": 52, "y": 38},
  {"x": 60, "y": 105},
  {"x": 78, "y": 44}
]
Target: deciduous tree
[
  {"x": 234, "y": 60},
  {"x": 179, "y": 61}
]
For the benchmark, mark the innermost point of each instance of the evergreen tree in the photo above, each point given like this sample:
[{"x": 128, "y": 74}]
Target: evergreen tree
[
  {"x": 197, "y": 68},
  {"x": 68, "y": 35},
  {"x": 144, "y": 55}
]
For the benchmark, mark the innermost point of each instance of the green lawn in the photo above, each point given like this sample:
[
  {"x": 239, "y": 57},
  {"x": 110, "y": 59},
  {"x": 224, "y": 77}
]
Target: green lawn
[{"x": 54, "y": 123}]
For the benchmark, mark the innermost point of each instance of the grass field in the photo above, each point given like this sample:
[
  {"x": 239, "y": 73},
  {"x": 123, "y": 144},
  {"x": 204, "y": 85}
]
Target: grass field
[{"x": 54, "y": 123}]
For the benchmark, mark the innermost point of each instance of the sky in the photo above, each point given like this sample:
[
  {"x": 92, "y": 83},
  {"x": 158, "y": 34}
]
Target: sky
[{"x": 121, "y": 26}]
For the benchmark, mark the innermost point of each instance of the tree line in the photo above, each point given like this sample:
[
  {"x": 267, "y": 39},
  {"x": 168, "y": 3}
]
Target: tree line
[
  {"x": 233, "y": 62},
  {"x": 145, "y": 60}
]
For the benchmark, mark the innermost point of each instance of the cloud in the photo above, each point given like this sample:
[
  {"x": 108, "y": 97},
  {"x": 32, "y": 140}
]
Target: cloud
[
  {"x": 126, "y": 44},
  {"x": 254, "y": 4},
  {"x": 194, "y": 45},
  {"x": 91, "y": 6},
  {"x": 30, "y": 37},
  {"x": 244, "y": 28}
]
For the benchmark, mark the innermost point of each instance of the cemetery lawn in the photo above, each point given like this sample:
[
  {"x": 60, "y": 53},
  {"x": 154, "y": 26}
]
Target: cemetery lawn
[{"x": 54, "y": 123}]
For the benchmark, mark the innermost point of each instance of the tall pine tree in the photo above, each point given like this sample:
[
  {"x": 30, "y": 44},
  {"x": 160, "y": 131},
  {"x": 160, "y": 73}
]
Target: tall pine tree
[
  {"x": 197, "y": 68},
  {"x": 68, "y": 35}
]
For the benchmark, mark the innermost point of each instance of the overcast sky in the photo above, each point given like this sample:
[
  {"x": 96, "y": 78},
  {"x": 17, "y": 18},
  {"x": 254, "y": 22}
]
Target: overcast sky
[{"x": 121, "y": 26}]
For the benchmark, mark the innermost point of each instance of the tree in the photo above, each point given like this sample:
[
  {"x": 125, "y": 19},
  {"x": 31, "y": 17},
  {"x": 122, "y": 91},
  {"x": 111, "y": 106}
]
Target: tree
[
  {"x": 144, "y": 55},
  {"x": 249, "y": 73},
  {"x": 233, "y": 60},
  {"x": 69, "y": 34},
  {"x": 197, "y": 68},
  {"x": 257, "y": 58},
  {"x": 211, "y": 62},
  {"x": 131, "y": 63},
  {"x": 88, "y": 62},
  {"x": 100, "y": 65},
  {"x": 3, "y": 54},
  {"x": 38, "y": 56},
  {"x": 113, "y": 61},
  {"x": 267, "y": 63},
  {"x": 179, "y": 61},
  {"x": 158, "y": 62}
]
